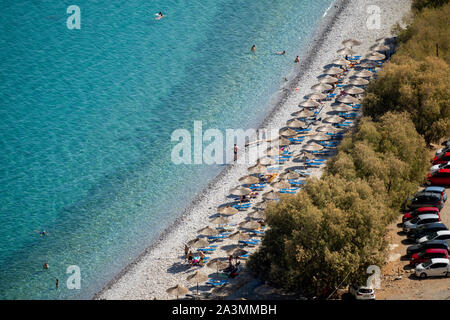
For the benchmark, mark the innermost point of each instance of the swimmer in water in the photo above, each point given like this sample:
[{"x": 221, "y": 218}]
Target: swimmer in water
[
  {"x": 297, "y": 59},
  {"x": 159, "y": 16},
  {"x": 42, "y": 233},
  {"x": 281, "y": 53},
  {"x": 253, "y": 48}
]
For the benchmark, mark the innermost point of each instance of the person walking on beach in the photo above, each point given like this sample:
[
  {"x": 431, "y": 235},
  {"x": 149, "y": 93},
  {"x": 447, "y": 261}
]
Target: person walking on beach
[
  {"x": 235, "y": 152},
  {"x": 253, "y": 48},
  {"x": 186, "y": 251},
  {"x": 297, "y": 59}
]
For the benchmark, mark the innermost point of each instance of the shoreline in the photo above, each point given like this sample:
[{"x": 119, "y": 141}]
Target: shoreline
[{"x": 131, "y": 281}]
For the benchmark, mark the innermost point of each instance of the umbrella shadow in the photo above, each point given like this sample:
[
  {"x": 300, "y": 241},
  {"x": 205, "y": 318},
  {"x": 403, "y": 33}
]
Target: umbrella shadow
[
  {"x": 200, "y": 288},
  {"x": 178, "y": 267}
]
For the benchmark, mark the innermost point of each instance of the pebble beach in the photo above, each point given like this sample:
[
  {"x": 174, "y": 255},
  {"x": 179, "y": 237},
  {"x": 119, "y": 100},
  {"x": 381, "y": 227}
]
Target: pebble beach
[{"x": 163, "y": 265}]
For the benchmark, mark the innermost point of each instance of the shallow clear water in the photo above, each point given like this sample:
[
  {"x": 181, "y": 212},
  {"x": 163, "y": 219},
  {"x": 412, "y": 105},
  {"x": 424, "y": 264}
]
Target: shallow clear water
[{"x": 86, "y": 117}]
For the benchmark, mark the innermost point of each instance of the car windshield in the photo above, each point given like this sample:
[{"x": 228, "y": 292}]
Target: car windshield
[
  {"x": 365, "y": 290},
  {"x": 415, "y": 220},
  {"x": 427, "y": 264},
  {"x": 432, "y": 235}
]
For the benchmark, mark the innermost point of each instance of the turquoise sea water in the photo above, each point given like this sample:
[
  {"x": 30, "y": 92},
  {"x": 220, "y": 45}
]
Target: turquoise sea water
[{"x": 86, "y": 117}]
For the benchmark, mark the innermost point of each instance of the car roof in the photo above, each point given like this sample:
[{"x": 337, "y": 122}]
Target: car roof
[
  {"x": 430, "y": 194},
  {"x": 427, "y": 209},
  {"x": 434, "y": 241},
  {"x": 441, "y": 232},
  {"x": 434, "y": 188},
  {"x": 440, "y": 260},
  {"x": 431, "y": 225},
  {"x": 427, "y": 216},
  {"x": 435, "y": 250}
]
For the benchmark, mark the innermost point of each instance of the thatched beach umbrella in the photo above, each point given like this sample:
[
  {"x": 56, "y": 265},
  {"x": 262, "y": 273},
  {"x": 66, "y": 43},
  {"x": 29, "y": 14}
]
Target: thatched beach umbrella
[
  {"x": 228, "y": 211},
  {"x": 281, "y": 141},
  {"x": 333, "y": 119},
  {"x": 271, "y": 195},
  {"x": 220, "y": 220},
  {"x": 347, "y": 99},
  {"x": 177, "y": 290},
  {"x": 237, "y": 252},
  {"x": 197, "y": 277},
  {"x": 261, "y": 205},
  {"x": 316, "y": 96},
  {"x": 240, "y": 191},
  {"x": 333, "y": 71},
  {"x": 217, "y": 264},
  {"x": 288, "y": 132},
  {"x": 280, "y": 184},
  {"x": 309, "y": 103},
  {"x": 350, "y": 43},
  {"x": 328, "y": 79},
  {"x": 265, "y": 161},
  {"x": 198, "y": 243},
  {"x": 354, "y": 90},
  {"x": 341, "y": 62},
  {"x": 326, "y": 128},
  {"x": 294, "y": 123},
  {"x": 258, "y": 215},
  {"x": 289, "y": 175},
  {"x": 208, "y": 231},
  {"x": 305, "y": 113},
  {"x": 258, "y": 169},
  {"x": 346, "y": 52},
  {"x": 342, "y": 108},
  {"x": 239, "y": 235},
  {"x": 358, "y": 81},
  {"x": 253, "y": 225},
  {"x": 380, "y": 47},
  {"x": 321, "y": 87},
  {"x": 319, "y": 136},
  {"x": 375, "y": 56},
  {"x": 362, "y": 74},
  {"x": 313, "y": 147},
  {"x": 250, "y": 179},
  {"x": 368, "y": 64}
]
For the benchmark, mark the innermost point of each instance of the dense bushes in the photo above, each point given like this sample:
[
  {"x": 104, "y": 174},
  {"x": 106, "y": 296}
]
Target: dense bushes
[
  {"x": 418, "y": 5},
  {"x": 334, "y": 229}
]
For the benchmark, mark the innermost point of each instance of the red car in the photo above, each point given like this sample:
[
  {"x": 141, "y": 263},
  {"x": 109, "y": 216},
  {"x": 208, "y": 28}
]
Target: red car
[
  {"x": 440, "y": 177},
  {"x": 425, "y": 210},
  {"x": 427, "y": 255},
  {"x": 442, "y": 158}
]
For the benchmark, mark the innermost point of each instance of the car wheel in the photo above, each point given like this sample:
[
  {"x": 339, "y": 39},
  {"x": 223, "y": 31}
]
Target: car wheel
[
  {"x": 423, "y": 275},
  {"x": 447, "y": 274}
]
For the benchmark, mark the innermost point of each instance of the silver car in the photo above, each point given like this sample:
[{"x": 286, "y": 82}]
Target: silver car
[
  {"x": 437, "y": 267},
  {"x": 420, "y": 220}
]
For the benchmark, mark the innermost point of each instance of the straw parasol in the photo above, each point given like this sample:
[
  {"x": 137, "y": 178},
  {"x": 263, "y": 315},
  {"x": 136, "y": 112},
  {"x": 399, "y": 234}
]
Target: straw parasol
[
  {"x": 250, "y": 225},
  {"x": 309, "y": 103},
  {"x": 281, "y": 141},
  {"x": 258, "y": 215},
  {"x": 342, "y": 108},
  {"x": 305, "y": 113},
  {"x": 220, "y": 220},
  {"x": 328, "y": 79},
  {"x": 325, "y": 128},
  {"x": 313, "y": 147},
  {"x": 237, "y": 252},
  {"x": 358, "y": 81},
  {"x": 321, "y": 87},
  {"x": 197, "y": 277},
  {"x": 258, "y": 169},
  {"x": 362, "y": 74},
  {"x": 280, "y": 184},
  {"x": 333, "y": 71},
  {"x": 288, "y": 132},
  {"x": 380, "y": 47},
  {"x": 250, "y": 179},
  {"x": 264, "y": 161},
  {"x": 294, "y": 123},
  {"x": 271, "y": 195},
  {"x": 217, "y": 264},
  {"x": 228, "y": 211},
  {"x": 341, "y": 62},
  {"x": 347, "y": 99},
  {"x": 177, "y": 290},
  {"x": 350, "y": 43},
  {"x": 317, "y": 95},
  {"x": 319, "y": 136},
  {"x": 368, "y": 64},
  {"x": 240, "y": 191},
  {"x": 346, "y": 51},
  {"x": 333, "y": 119},
  {"x": 354, "y": 90},
  {"x": 289, "y": 175},
  {"x": 198, "y": 243},
  {"x": 375, "y": 56},
  {"x": 239, "y": 235},
  {"x": 208, "y": 231},
  {"x": 261, "y": 205}
]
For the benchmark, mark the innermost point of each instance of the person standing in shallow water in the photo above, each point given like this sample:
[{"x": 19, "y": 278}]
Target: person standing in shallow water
[
  {"x": 235, "y": 152},
  {"x": 297, "y": 59},
  {"x": 253, "y": 48}
]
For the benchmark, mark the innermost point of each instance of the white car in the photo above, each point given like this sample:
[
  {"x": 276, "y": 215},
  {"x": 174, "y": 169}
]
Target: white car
[
  {"x": 420, "y": 220},
  {"x": 437, "y": 267},
  {"x": 361, "y": 292},
  {"x": 436, "y": 167},
  {"x": 438, "y": 235}
]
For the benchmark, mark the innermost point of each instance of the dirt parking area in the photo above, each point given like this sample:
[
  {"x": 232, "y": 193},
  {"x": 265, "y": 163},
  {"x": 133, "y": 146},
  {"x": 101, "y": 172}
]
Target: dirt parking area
[{"x": 398, "y": 281}]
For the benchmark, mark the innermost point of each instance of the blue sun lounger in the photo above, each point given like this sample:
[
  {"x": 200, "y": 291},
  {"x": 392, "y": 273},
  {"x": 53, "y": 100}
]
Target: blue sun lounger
[
  {"x": 273, "y": 168},
  {"x": 297, "y": 182},
  {"x": 249, "y": 242},
  {"x": 289, "y": 190},
  {"x": 218, "y": 237},
  {"x": 207, "y": 250},
  {"x": 304, "y": 130},
  {"x": 242, "y": 206},
  {"x": 297, "y": 140},
  {"x": 217, "y": 282}
]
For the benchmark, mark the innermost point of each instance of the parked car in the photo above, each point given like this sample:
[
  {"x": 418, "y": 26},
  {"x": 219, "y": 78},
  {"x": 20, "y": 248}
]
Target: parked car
[
  {"x": 420, "y": 220},
  {"x": 438, "y": 190},
  {"x": 429, "y": 244},
  {"x": 427, "y": 255},
  {"x": 440, "y": 177},
  {"x": 437, "y": 267},
  {"x": 425, "y": 229},
  {"x": 438, "y": 235},
  {"x": 361, "y": 292},
  {"x": 427, "y": 199},
  {"x": 442, "y": 157},
  {"x": 436, "y": 167},
  {"x": 445, "y": 148},
  {"x": 424, "y": 210}
]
